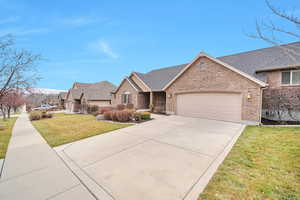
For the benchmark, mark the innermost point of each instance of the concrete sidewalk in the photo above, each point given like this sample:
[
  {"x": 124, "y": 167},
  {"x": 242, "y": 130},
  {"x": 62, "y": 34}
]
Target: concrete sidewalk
[{"x": 32, "y": 169}]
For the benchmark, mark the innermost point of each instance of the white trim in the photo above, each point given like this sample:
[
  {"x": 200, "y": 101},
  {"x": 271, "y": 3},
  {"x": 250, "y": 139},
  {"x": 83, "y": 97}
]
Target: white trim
[
  {"x": 126, "y": 78},
  {"x": 137, "y": 76},
  {"x": 202, "y": 54},
  {"x": 131, "y": 84},
  {"x": 291, "y": 78}
]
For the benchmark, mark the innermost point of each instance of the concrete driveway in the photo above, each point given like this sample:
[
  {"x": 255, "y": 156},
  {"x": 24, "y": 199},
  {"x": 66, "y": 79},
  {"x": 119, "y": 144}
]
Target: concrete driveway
[{"x": 170, "y": 157}]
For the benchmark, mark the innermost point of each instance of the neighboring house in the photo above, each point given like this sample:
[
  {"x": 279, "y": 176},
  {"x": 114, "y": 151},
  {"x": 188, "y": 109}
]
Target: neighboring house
[
  {"x": 62, "y": 96},
  {"x": 227, "y": 88},
  {"x": 83, "y": 94}
]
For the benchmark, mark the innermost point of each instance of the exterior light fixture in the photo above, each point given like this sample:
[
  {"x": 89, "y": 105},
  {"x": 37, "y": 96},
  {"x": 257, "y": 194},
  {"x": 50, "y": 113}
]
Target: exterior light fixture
[{"x": 249, "y": 95}]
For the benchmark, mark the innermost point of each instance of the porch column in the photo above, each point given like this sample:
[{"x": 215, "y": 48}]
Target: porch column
[{"x": 151, "y": 101}]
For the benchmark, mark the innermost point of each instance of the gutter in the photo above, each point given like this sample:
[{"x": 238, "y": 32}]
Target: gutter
[{"x": 278, "y": 68}]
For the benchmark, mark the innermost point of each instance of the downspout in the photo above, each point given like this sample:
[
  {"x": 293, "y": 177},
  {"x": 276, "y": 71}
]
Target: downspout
[{"x": 261, "y": 103}]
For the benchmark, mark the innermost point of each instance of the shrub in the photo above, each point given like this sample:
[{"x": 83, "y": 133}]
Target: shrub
[
  {"x": 45, "y": 114},
  {"x": 130, "y": 111},
  {"x": 130, "y": 106},
  {"x": 107, "y": 115},
  {"x": 28, "y": 108},
  {"x": 105, "y": 109},
  {"x": 35, "y": 115},
  {"x": 123, "y": 116},
  {"x": 95, "y": 113},
  {"x": 137, "y": 116},
  {"x": 49, "y": 115},
  {"x": 121, "y": 107},
  {"x": 113, "y": 115},
  {"x": 92, "y": 109},
  {"x": 145, "y": 115}
]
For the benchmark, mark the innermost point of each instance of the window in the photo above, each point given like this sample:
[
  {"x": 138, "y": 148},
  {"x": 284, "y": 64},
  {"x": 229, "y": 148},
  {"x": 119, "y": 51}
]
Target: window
[
  {"x": 295, "y": 77},
  {"x": 126, "y": 98},
  {"x": 290, "y": 78},
  {"x": 285, "y": 78}
]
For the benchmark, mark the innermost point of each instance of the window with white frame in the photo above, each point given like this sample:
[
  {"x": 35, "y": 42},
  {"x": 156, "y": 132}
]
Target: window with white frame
[
  {"x": 290, "y": 77},
  {"x": 125, "y": 98}
]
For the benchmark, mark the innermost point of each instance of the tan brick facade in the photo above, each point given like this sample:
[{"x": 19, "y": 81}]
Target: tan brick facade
[
  {"x": 274, "y": 79},
  {"x": 288, "y": 93},
  {"x": 206, "y": 75},
  {"x": 125, "y": 87}
]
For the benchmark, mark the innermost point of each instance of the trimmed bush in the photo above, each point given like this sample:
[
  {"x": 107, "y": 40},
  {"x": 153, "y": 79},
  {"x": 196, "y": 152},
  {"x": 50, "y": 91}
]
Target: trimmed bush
[
  {"x": 35, "y": 115},
  {"x": 129, "y": 106},
  {"x": 92, "y": 109},
  {"x": 130, "y": 111},
  {"x": 107, "y": 115},
  {"x": 121, "y": 107},
  {"x": 49, "y": 115},
  {"x": 95, "y": 113},
  {"x": 145, "y": 115},
  {"x": 123, "y": 116},
  {"x": 113, "y": 115},
  {"x": 105, "y": 109},
  {"x": 45, "y": 114},
  {"x": 137, "y": 116}
]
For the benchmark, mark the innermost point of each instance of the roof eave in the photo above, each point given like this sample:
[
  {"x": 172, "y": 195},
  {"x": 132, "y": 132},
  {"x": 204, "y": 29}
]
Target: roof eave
[
  {"x": 140, "y": 79},
  {"x": 279, "y": 68},
  {"x": 202, "y": 54}
]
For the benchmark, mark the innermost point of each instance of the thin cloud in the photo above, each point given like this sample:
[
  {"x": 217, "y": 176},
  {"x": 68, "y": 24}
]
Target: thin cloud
[
  {"x": 78, "y": 21},
  {"x": 24, "y": 32},
  {"x": 9, "y": 20},
  {"x": 104, "y": 48}
]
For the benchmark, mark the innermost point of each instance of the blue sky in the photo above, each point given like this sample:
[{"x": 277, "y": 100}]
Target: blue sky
[{"x": 94, "y": 40}]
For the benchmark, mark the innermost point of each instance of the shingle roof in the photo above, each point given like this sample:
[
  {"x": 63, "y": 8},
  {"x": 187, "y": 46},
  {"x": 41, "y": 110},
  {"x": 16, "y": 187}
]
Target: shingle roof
[
  {"x": 99, "y": 91},
  {"x": 93, "y": 91},
  {"x": 248, "y": 62},
  {"x": 276, "y": 56},
  {"x": 76, "y": 93},
  {"x": 157, "y": 79},
  {"x": 63, "y": 95}
]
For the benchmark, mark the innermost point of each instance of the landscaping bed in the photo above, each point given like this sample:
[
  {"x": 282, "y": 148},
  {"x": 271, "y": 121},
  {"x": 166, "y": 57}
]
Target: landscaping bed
[
  {"x": 121, "y": 113},
  {"x": 5, "y": 134},
  {"x": 263, "y": 164},
  {"x": 273, "y": 122},
  {"x": 65, "y": 128}
]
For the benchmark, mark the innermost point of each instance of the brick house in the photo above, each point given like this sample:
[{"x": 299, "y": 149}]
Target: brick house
[
  {"x": 83, "y": 94},
  {"x": 62, "y": 96},
  {"x": 232, "y": 88}
]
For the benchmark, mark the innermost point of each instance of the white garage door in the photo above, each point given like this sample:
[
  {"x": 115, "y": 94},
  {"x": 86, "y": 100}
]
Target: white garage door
[{"x": 219, "y": 106}]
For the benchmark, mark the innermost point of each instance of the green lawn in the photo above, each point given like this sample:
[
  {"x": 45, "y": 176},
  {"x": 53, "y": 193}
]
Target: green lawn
[
  {"x": 263, "y": 164},
  {"x": 65, "y": 128},
  {"x": 5, "y": 135}
]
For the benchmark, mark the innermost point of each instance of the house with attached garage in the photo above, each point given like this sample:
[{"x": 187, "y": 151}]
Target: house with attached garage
[
  {"x": 232, "y": 88},
  {"x": 62, "y": 99},
  {"x": 83, "y": 94}
]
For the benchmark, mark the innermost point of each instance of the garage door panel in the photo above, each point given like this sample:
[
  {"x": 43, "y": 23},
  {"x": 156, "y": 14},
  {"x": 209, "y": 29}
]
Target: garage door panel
[{"x": 220, "y": 106}]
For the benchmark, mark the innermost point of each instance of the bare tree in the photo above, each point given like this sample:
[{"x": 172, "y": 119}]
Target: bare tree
[
  {"x": 12, "y": 100},
  {"x": 17, "y": 67},
  {"x": 269, "y": 31}
]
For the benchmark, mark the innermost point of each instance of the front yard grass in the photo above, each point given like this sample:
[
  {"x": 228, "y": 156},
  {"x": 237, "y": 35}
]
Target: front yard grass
[
  {"x": 263, "y": 164},
  {"x": 66, "y": 128},
  {"x": 6, "y": 134}
]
